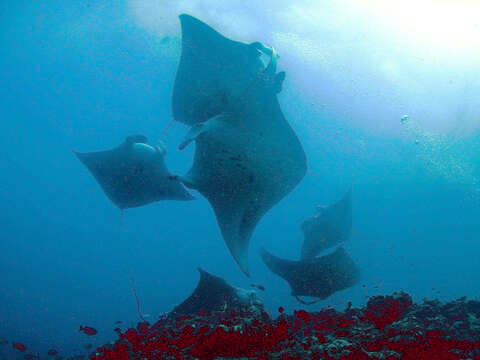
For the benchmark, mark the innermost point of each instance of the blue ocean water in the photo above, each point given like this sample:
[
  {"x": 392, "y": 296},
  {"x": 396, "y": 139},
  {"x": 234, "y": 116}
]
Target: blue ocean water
[{"x": 82, "y": 76}]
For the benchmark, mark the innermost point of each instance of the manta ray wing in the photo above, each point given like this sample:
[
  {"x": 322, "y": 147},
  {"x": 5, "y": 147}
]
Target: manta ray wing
[
  {"x": 319, "y": 277},
  {"x": 331, "y": 227},
  {"x": 211, "y": 293},
  {"x": 212, "y": 71}
]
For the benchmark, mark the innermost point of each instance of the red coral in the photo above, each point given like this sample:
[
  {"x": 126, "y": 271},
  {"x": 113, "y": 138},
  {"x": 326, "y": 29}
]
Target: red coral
[
  {"x": 216, "y": 335},
  {"x": 385, "y": 310}
]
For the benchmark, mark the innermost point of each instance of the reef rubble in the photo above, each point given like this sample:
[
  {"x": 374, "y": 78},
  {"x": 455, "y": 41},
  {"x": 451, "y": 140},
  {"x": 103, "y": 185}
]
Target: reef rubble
[{"x": 388, "y": 327}]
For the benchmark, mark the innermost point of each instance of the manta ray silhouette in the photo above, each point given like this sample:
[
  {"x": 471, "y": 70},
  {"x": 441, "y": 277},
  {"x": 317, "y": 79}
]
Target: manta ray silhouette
[
  {"x": 215, "y": 294},
  {"x": 247, "y": 157},
  {"x": 134, "y": 173},
  {"x": 331, "y": 226},
  {"x": 319, "y": 277}
]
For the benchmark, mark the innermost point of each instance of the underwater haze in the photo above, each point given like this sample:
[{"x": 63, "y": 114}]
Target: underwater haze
[{"x": 383, "y": 95}]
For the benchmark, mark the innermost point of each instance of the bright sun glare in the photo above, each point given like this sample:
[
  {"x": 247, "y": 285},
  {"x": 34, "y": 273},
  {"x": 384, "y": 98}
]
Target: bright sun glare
[{"x": 447, "y": 25}]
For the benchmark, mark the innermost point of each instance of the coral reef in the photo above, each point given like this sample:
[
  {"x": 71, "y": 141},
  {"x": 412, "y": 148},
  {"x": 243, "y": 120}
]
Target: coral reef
[{"x": 388, "y": 327}]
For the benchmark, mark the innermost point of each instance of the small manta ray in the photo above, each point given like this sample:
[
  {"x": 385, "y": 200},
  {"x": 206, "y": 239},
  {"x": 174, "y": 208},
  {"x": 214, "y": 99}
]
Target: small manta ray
[
  {"x": 331, "y": 226},
  {"x": 134, "y": 173},
  {"x": 247, "y": 157},
  {"x": 215, "y": 294},
  {"x": 319, "y": 277}
]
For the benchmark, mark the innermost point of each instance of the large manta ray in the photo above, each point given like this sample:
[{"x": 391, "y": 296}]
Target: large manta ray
[
  {"x": 329, "y": 227},
  {"x": 247, "y": 158},
  {"x": 134, "y": 173},
  {"x": 215, "y": 294},
  {"x": 318, "y": 277}
]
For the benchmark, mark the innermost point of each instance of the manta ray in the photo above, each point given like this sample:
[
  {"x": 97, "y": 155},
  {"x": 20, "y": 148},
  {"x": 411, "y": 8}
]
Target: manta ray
[
  {"x": 319, "y": 277},
  {"x": 247, "y": 157},
  {"x": 215, "y": 294},
  {"x": 134, "y": 173},
  {"x": 331, "y": 226}
]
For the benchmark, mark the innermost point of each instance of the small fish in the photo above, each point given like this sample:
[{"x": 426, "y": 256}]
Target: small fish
[
  {"x": 31, "y": 357},
  {"x": 52, "y": 352},
  {"x": 165, "y": 40},
  {"x": 281, "y": 310},
  {"x": 87, "y": 346},
  {"x": 117, "y": 330},
  {"x": 19, "y": 347},
  {"x": 88, "y": 330},
  {"x": 258, "y": 286},
  {"x": 117, "y": 322},
  {"x": 3, "y": 341}
]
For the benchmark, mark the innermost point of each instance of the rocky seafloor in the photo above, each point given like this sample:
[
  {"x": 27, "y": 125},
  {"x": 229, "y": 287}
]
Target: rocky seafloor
[{"x": 388, "y": 327}]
